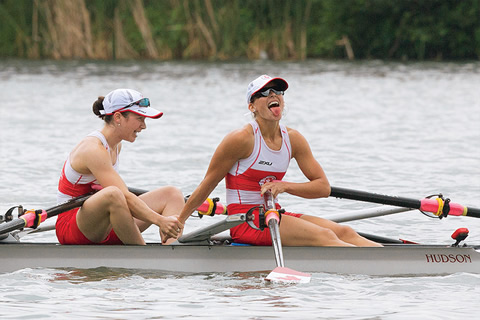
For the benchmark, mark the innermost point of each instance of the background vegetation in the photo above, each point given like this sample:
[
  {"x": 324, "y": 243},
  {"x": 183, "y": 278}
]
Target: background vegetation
[{"x": 240, "y": 29}]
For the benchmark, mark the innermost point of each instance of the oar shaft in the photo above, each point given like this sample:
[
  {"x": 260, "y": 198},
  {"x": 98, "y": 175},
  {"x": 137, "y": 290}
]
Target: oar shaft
[
  {"x": 374, "y": 197},
  {"x": 11, "y": 226},
  {"x": 272, "y": 219},
  {"x": 276, "y": 242},
  {"x": 23, "y": 221},
  {"x": 78, "y": 202},
  {"x": 429, "y": 205},
  {"x": 473, "y": 212},
  {"x": 69, "y": 205},
  {"x": 20, "y": 223}
]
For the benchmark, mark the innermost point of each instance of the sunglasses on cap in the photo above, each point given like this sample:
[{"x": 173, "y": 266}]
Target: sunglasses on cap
[
  {"x": 144, "y": 102},
  {"x": 266, "y": 93}
]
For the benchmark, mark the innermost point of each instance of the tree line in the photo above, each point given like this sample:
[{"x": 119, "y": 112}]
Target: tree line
[{"x": 240, "y": 29}]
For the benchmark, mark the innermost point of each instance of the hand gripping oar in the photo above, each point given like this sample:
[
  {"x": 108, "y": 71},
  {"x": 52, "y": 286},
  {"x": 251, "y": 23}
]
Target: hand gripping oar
[
  {"x": 440, "y": 207},
  {"x": 280, "y": 273},
  {"x": 33, "y": 218}
]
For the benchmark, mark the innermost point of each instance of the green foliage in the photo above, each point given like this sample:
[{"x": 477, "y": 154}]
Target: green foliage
[
  {"x": 239, "y": 29},
  {"x": 15, "y": 27}
]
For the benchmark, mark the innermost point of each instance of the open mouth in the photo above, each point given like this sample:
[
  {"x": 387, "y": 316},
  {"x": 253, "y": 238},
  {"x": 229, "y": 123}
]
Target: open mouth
[{"x": 274, "y": 106}]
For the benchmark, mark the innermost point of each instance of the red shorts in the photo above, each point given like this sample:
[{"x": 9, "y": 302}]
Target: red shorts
[
  {"x": 245, "y": 234},
  {"x": 68, "y": 232}
]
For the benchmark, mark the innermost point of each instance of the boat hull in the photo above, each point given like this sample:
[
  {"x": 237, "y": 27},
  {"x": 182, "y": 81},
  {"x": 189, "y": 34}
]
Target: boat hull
[{"x": 391, "y": 260}]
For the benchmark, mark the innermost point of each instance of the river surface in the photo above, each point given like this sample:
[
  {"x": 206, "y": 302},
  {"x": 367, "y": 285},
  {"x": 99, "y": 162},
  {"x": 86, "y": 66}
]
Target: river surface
[{"x": 408, "y": 130}]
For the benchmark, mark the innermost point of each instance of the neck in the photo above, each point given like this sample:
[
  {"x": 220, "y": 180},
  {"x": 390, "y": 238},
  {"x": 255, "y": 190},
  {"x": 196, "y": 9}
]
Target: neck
[
  {"x": 270, "y": 129},
  {"x": 111, "y": 135}
]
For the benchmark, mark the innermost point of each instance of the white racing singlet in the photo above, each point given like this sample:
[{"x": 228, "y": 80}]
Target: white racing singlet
[
  {"x": 73, "y": 184},
  {"x": 243, "y": 181}
]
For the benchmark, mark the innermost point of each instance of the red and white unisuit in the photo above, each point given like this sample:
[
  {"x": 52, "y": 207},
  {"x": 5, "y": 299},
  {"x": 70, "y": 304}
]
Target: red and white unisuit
[
  {"x": 73, "y": 184},
  {"x": 245, "y": 178}
]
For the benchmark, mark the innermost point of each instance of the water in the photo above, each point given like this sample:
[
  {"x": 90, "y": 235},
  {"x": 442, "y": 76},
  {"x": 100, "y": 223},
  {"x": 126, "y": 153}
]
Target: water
[{"x": 400, "y": 129}]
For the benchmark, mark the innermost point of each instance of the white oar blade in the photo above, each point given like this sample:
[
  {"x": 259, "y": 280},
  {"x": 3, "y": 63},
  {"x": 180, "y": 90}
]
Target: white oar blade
[{"x": 287, "y": 275}]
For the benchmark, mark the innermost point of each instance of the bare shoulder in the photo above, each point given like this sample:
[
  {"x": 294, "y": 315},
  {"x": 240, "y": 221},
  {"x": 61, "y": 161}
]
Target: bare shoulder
[
  {"x": 87, "y": 146},
  {"x": 298, "y": 142},
  {"x": 239, "y": 142},
  {"x": 295, "y": 136},
  {"x": 241, "y": 134},
  {"x": 88, "y": 150}
]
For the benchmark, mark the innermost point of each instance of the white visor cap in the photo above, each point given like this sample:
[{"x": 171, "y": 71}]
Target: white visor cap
[
  {"x": 118, "y": 99},
  {"x": 257, "y": 84}
]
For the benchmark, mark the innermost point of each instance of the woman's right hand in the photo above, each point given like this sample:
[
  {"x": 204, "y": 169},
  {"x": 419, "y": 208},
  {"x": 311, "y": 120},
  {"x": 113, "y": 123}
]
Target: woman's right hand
[{"x": 170, "y": 227}]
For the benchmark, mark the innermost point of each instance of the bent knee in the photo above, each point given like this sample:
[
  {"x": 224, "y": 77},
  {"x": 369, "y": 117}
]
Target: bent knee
[
  {"x": 113, "y": 195},
  {"x": 324, "y": 237},
  {"x": 325, "y": 233},
  {"x": 173, "y": 193},
  {"x": 346, "y": 232}
]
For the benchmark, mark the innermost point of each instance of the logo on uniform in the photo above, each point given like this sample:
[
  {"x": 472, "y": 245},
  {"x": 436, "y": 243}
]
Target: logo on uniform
[
  {"x": 265, "y": 163},
  {"x": 267, "y": 179}
]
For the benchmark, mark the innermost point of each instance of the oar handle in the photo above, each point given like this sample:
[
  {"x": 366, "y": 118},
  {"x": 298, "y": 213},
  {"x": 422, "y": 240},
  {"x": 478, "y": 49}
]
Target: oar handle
[{"x": 269, "y": 200}]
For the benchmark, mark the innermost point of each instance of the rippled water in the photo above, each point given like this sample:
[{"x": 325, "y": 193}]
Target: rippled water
[{"x": 401, "y": 129}]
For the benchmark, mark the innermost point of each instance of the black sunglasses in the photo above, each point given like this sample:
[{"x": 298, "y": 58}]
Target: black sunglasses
[{"x": 266, "y": 93}]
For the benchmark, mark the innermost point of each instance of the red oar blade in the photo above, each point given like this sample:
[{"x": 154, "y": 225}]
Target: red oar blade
[{"x": 287, "y": 275}]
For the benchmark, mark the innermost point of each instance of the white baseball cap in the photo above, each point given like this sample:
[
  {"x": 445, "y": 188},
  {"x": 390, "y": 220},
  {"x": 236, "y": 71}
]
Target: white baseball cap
[
  {"x": 257, "y": 85},
  {"x": 123, "y": 100}
]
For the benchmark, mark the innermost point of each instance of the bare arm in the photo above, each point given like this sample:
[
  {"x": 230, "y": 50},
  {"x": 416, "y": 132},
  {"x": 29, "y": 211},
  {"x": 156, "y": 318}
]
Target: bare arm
[
  {"x": 317, "y": 186},
  {"x": 235, "y": 146},
  {"x": 91, "y": 157}
]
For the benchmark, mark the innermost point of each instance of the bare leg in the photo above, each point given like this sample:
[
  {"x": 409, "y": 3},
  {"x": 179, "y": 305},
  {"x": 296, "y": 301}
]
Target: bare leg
[
  {"x": 344, "y": 233},
  {"x": 300, "y": 232},
  {"x": 105, "y": 210},
  {"x": 167, "y": 201}
]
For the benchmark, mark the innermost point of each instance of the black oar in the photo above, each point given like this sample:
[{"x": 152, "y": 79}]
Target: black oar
[
  {"x": 439, "y": 206},
  {"x": 33, "y": 218},
  {"x": 280, "y": 273}
]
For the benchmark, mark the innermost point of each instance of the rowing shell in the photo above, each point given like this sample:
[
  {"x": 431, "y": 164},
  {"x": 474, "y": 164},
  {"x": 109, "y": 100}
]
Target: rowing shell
[
  {"x": 196, "y": 252},
  {"x": 391, "y": 260}
]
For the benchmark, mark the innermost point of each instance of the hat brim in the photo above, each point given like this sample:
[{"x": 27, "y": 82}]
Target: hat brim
[
  {"x": 279, "y": 83},
  {"x": 148, "y": 112}
]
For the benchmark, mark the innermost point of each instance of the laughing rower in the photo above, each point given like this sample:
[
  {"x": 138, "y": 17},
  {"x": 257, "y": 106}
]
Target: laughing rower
[
  {"x": 113, "y": 215},
  {"x": 254, "y": 160}
]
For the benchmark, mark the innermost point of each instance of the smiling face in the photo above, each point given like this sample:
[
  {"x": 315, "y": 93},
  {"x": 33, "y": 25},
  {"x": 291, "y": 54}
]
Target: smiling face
[
  {"x": 268, "y": 103},
  {"x": 131, "y": 125}
]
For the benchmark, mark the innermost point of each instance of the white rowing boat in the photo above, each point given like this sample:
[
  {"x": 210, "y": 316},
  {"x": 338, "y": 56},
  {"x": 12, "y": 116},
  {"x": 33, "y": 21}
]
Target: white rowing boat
[
  {"x": 204, "y": 251},
  {"x": 392, "y": 260}
]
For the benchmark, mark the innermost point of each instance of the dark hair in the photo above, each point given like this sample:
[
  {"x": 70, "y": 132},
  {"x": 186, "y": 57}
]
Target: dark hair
[{"x": 98, "y": 105}]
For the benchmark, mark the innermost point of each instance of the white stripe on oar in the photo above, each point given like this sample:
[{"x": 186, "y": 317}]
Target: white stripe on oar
[{"x": 280, "y": 273}]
